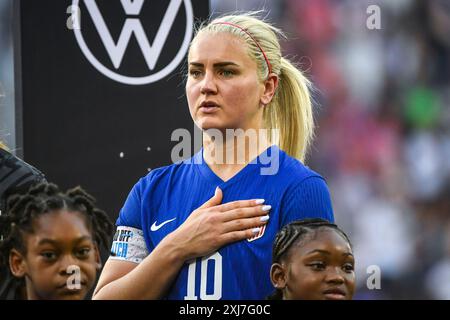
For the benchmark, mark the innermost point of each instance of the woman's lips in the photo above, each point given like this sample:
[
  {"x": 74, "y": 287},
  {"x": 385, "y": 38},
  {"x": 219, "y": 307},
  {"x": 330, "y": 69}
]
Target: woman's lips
[{"x": 209, "y": 109}]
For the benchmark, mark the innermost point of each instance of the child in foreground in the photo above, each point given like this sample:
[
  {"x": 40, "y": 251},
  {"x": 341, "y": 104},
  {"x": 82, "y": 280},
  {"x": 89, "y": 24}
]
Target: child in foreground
[
  {"x": 50, "y": 241},
  {"x": 312, "y": 260}
]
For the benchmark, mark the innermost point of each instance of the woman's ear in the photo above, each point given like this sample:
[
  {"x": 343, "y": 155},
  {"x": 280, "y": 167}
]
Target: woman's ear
[
  {"x": 17, "y": 264},
  {"x": 270, "y": 87},
  {"x": 278, "y": 276}
]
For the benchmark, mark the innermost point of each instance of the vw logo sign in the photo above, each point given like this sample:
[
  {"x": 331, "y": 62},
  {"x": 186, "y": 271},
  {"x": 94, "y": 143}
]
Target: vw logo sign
[{"x": 133, "y": 29}]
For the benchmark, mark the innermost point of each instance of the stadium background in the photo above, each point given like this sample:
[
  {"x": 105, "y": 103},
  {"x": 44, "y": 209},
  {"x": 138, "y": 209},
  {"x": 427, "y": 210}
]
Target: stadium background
[{"x": 382, "y": 139}]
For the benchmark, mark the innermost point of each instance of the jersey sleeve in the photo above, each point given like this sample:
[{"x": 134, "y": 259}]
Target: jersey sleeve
[
  {"x": 309, "y": 199},
  {"x": 129, "y": 242},
  {"x": 130, "y": 214}
]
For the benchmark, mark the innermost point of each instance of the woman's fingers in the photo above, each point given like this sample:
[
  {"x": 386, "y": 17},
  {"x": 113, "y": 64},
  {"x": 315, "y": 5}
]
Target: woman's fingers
[
  {"x": 238, "y": 235},
  {"x": 244, "y": 224},
  {"x": 239, "y": 204},
  {"x": 215, "y": 200},
  {"x": 242, "y": 213},
  {"x": 214, "y": 225}
]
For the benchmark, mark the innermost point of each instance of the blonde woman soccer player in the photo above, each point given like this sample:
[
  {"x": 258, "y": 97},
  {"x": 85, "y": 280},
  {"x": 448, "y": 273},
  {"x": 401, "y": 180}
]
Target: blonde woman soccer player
[{"x": 202, "y": 228}]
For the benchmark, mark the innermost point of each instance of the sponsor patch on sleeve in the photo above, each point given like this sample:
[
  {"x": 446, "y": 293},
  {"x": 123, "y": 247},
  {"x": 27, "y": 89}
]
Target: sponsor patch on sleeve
[{"x": 129, "y": 245}]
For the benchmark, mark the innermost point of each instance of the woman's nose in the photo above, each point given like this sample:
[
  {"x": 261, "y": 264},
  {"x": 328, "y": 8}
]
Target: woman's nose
[{"x": 208, "y": 85}]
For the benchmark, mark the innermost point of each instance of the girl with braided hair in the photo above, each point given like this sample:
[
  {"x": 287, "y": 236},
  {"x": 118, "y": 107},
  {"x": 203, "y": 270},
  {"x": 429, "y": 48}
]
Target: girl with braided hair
[
  {"x": 312, "y": 260},
  {"x": 50, "y": 241}
]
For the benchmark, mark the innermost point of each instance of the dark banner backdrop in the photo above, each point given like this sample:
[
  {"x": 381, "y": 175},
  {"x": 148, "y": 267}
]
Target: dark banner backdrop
[{"x": 96, "y": 114}]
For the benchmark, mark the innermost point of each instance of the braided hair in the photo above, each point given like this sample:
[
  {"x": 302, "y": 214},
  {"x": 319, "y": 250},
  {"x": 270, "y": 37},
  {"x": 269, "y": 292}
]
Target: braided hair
[
  {"x": 44, "y": 198},
  {"x": 295, "y": 233}
]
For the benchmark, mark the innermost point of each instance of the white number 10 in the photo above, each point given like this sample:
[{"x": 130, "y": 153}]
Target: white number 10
[{"x": 217, "y": 293}]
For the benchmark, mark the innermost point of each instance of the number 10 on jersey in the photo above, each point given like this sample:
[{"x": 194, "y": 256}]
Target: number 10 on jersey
[{"x": 217, "y": 292}]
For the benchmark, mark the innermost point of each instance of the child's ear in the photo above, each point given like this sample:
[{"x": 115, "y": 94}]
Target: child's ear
[
  {"x": 278, "y": 276},
  {"x": 98, "y": 260},
  {"x": 17, "y": 264}
]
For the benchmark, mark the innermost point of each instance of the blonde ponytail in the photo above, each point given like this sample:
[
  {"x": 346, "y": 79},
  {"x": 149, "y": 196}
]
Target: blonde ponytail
[{"x": 291, "y": 111}]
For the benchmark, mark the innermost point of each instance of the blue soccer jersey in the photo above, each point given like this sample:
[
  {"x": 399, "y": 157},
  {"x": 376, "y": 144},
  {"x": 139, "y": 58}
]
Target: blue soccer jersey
[{"x": 161, "y": 201}]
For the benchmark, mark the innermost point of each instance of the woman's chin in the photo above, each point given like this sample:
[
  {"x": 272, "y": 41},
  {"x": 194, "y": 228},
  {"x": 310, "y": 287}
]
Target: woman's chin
[{"x": 207, "y": 124}]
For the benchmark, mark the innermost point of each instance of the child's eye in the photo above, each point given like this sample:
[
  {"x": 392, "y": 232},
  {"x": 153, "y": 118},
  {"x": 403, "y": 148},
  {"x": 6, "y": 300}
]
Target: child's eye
[
  {"x": 348, "y": 267},
  {"x": 317, "y": 266},
  {"x": 83, "y": 253},
  {"x": 48, "y": 255}
]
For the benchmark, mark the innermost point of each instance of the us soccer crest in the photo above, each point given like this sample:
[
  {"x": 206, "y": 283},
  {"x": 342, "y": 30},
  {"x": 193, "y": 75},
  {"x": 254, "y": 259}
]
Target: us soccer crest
[{"x": 259, "y": 234}]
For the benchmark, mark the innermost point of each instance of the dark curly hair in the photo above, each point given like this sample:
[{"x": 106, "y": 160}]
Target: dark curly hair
[
  {"x": 44, "y": 198},
  {"x": 294, "y": 233}
]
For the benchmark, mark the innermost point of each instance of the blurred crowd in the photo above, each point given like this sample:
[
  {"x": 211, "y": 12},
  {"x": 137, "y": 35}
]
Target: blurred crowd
[{"x": 383, "y": 135}]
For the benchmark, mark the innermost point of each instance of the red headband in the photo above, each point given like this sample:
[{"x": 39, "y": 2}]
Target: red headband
[{"x": 256, "y": 42}]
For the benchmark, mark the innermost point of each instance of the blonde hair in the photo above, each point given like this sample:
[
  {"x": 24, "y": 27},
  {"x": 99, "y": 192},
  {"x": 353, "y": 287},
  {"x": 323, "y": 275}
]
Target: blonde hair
[{"x": 290, "y": 110}]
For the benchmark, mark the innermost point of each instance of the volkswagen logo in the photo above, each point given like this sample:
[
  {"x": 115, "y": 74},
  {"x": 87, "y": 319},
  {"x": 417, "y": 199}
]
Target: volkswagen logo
[{"x": 133, "y": 32}]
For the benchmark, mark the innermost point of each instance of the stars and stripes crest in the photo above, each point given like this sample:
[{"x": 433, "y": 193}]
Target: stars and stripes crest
[{"x": 258, "y": 235}]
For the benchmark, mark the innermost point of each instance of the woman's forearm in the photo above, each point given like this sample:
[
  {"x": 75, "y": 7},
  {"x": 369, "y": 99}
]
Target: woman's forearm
[
  {"x": 150, "y": 279},
  {"x": 207, "y": 229}
]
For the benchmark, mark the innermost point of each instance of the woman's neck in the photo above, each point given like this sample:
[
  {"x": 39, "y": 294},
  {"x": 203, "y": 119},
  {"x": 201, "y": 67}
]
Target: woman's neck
[{"x": 226, "y": 154}]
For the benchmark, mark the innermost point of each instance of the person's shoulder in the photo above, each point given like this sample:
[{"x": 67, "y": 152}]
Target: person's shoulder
[
  {"x": 10, "y": 160},
  {"x": 307, "y": 194},
  {"x": 160, "y": 174},
  {"x": 297, "y": 170},
  {"x": 20, "y": 175}
]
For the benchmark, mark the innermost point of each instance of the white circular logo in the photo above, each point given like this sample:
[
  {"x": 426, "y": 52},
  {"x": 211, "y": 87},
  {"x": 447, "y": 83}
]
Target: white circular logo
[{"x": 133, "y": 26}]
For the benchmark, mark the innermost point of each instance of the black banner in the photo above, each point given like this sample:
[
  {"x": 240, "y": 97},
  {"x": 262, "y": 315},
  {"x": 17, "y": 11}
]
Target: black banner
[{"x": 103, "y": 89}]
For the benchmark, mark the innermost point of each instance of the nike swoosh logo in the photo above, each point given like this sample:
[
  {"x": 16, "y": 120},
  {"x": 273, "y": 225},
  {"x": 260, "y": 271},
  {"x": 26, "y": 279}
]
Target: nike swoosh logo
[{"x": 155, "y": 227}]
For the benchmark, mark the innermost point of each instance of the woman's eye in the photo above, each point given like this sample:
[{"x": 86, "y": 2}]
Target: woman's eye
[
  {"x": 227, "y": 73},
  {"x": 48, "y": 255},
  {"x": 195, "y": 73}
]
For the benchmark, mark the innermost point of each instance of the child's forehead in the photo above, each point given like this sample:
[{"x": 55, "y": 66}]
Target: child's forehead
[
  {"x": 324, "y": 239},
  {"x": 61, "y": 224}
]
